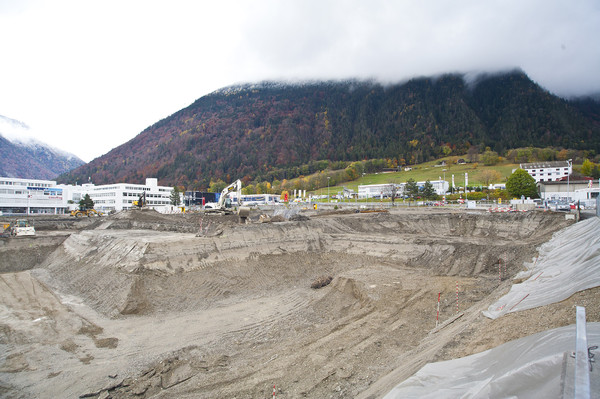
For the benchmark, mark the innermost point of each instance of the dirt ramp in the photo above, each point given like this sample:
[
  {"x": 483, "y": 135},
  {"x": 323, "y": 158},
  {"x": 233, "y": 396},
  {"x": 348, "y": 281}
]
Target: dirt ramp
[{"x": 98, "y": 269}]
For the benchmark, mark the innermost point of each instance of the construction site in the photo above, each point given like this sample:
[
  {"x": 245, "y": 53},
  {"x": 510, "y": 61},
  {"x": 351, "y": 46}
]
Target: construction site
[{"x": 307, "y": 304}]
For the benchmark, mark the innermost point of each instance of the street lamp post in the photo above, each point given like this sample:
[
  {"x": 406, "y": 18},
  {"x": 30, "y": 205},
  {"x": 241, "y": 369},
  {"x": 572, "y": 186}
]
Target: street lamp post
[
  {"x": 444, "y": 183},
  {"x": 570, "y": 163},
  {"x": 328, "y": 189}
]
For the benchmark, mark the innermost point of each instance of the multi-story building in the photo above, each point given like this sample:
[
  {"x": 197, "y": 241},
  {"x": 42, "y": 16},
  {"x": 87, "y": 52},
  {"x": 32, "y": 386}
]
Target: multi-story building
[
  {"x": 548, "y": 171},
  {"x": 30, "y": 196},
  {"x": 116, "y": 197}
]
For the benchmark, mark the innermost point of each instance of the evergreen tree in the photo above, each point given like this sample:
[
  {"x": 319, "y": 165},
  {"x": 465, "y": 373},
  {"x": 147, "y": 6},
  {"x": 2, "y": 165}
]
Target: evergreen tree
[
  {"x": 412, "y": 190},
  {"x": 86, "y": 203},
  {"x": 428, "y": 191},
  {"x": 175, "y": 196},
  {"x": 520, "y": 183}
]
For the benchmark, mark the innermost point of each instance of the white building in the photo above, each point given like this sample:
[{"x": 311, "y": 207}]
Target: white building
[
  {"x": 441, "y": 187},
  {"x": 548, "y": 171},
  {"x": 574, "y": 190},
  {"x": 379, "y": 190},
  {"x": 30, "y": 196},
  {"x": 120, "y": 196}
]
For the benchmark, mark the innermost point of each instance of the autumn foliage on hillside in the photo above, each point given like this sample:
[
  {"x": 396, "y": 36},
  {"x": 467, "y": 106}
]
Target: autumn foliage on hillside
[{"x": 272, "y": 131}]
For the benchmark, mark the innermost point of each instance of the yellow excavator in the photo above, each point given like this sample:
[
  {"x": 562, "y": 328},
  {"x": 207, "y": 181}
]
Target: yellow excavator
[
  {"x": 78, "y": 213},
  {"x": 141, "y": 202}
]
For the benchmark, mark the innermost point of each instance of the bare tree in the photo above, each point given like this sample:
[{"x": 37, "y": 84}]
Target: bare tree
[
  {"x": 489, "y": 176},
  {"x": 473, "y": 153},
  {"x": 392, "y": 190}
]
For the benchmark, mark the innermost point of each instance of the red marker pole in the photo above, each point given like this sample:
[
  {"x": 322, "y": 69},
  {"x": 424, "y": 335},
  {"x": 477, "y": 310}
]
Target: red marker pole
[
  {"x": 438, "y": 309},
  {"x": 457, "y": 297},
  {"x": 273, "y": 390}
]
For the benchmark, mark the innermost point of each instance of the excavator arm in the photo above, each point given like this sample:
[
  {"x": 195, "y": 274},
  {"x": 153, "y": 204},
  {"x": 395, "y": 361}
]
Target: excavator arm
[{"x": 235, "y": 186}]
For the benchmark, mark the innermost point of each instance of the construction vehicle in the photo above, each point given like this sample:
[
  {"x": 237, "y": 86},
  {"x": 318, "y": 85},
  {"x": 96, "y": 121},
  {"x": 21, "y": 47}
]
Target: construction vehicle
[
  {"x": 141, "y": 202},
  {"x": 225, "y": 205},
  {"x": 18, "y": 228},
  {"x": 78, "y": 213}
]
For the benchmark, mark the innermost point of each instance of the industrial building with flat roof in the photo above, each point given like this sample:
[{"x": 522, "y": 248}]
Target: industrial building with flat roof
[{"x": 30, "y": 196}]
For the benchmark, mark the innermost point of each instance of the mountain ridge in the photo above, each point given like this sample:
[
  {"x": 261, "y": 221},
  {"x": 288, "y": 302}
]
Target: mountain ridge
[
  {"x": 258, "y": 130},
  {"x": 25, "y": 157}
]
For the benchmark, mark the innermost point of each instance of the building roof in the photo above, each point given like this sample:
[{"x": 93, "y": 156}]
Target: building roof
[
  {"x": 549, "y": 164},
  {"x": 562, "y": 182}
]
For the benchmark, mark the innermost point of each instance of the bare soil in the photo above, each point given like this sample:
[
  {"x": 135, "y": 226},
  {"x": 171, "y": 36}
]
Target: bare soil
[{"x": 140, "y": 305}]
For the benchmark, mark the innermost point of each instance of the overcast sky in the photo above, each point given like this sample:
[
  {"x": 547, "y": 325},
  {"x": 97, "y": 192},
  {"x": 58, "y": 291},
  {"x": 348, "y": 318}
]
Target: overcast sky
[{"x": 87, "y": 76}]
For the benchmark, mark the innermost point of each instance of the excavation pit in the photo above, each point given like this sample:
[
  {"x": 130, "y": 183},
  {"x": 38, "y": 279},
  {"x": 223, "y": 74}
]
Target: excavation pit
[{"x": 234, "y": 313}]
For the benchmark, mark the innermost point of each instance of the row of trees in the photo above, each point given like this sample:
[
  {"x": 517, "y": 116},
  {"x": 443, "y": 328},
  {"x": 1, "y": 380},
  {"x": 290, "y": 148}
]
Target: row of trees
[
  {"x": 412, "y": 191},
  {"x": 528, "y": 154}
]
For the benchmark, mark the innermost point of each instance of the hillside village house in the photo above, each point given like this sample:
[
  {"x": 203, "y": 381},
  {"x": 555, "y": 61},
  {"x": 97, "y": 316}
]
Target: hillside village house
[
  {"x": 548, "y": 171},
  {"x": 30, "y": 196}
]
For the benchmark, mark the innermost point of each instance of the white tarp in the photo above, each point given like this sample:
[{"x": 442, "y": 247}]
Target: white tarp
[
  {"x": 568, "y": 263},
  {"x": 529, "y": 367}
]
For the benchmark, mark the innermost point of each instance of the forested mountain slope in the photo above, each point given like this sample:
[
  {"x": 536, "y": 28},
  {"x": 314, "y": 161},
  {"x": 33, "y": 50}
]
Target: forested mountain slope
[{"x": 259, "y": 130}]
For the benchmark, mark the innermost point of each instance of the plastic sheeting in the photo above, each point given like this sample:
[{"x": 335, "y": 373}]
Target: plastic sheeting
[
  {"x": 529, "y": 367},
  {"x": 568, "y": 263}
]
